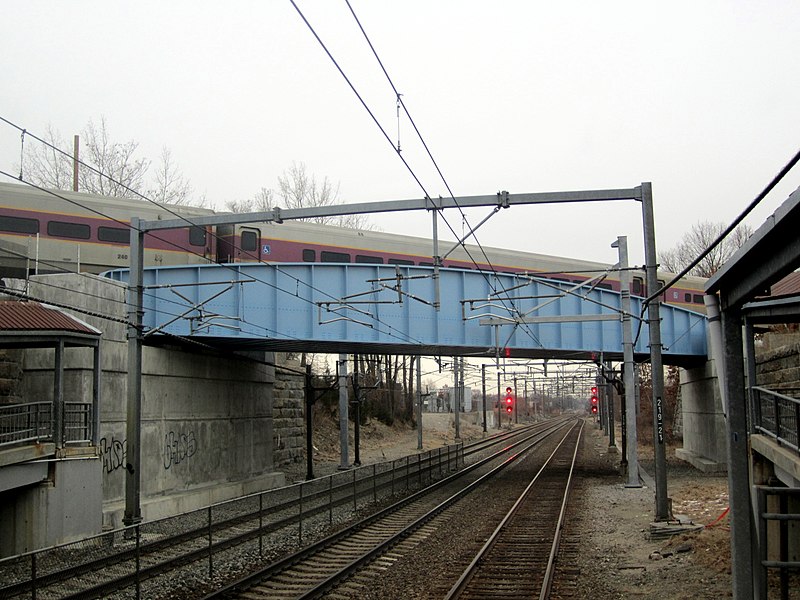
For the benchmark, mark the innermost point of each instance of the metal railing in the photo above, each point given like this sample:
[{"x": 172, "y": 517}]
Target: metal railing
[
  {"x": 777, "y": 416},
  {"x": 26, "y": 423},
  {"x": 32, "y": 422},
  {"x": 142, "y": 560},
  {"x": 77, "y": 422},
  {"x": 777, "y": 522}
]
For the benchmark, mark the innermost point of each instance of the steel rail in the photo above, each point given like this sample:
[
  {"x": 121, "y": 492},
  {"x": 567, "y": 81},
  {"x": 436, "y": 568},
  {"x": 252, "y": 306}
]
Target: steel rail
[
  {"x": 191, "y": 552},
  {"x": 376, "y": 548},
  {"x": 462, "y": 584}
]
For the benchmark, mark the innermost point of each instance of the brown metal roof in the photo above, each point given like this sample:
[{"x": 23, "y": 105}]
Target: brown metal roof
[
  {"x": 32, "y": 316},
  {"x": 788, "y": 286}
]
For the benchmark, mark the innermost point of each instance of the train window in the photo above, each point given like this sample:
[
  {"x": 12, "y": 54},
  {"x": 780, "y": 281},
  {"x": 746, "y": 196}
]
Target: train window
[
  {"x": 19, "y": 225},
  {"x": 605, "y": 286},
  {"x": 309, "y": 255},
  {"x": 118, "y": 235},
  {"x": 197, "y": 236},
  {"x": 638, "y": 286},
  {"x": 687, "y": 297},
  {"x": 249, "y": 241},
  {"x": 79, "y": 231},
  {"x": 426, "y": 264},
  {"x": 698, "y": 299},
  {"x": 335, "y": 257},
  {"x": 373, "y": 260},
  {"x": 400, "y": 261}
]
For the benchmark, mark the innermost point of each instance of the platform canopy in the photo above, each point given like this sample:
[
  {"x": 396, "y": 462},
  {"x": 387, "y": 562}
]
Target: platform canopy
[{"x": 361, "y": 308}]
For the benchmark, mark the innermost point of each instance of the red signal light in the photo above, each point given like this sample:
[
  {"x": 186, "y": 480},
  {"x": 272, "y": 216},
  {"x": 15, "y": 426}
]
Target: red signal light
[
  {"x": 594, "y": 409},
  {"x": 594, "y": 390}
]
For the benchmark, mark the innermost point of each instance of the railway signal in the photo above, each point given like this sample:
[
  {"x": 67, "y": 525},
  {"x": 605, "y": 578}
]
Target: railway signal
[
  {"x": 594, "y": 400},
  {"x": 509, "y": 400}
]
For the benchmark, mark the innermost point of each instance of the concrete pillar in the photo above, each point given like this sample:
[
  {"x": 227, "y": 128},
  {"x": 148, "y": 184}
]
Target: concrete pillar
[{"x": 738, "y": 459}]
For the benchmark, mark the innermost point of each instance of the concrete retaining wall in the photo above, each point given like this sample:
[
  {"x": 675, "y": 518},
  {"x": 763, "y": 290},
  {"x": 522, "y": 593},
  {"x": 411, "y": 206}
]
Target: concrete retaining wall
[{"x": 207, "y": 421}]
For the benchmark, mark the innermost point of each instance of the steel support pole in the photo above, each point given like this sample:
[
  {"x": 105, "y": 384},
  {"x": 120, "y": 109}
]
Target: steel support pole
[
  {"x": 741, "y": 516},
  {"x": 343, "y": 412},
  {"x": 654, "y": 328},
  {"x": 628, "y": 370},
  {"x": 96, "y": 370},
  {"x": 483, "y": 395},
  {"x": 499, "y": 413},
  {"x": 133, "y": 423},
  {"x": 419, "y": 404},
  {"x": 456, "y": 396},
  {"x": 437, "y": 261},
  {"x": 58, "y": 397},
  {"x": 610, "y": 402},
  {"x": 357, "y": 415}
]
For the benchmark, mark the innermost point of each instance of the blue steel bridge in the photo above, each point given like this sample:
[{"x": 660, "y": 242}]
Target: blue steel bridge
[{"x": 364, "y": 308}]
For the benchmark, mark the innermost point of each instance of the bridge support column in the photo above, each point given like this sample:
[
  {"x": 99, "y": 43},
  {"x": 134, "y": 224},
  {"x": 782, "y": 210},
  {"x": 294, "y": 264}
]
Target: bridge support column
[{"x": 343, "y": 412}]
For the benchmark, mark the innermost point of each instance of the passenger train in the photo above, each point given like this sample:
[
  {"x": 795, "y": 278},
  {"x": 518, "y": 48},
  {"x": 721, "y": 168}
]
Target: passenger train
[{"x": 43, "y": 232}]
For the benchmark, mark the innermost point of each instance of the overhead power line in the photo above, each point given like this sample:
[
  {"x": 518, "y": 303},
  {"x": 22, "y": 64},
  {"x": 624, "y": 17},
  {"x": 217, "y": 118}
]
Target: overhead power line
[{"x": 396, "y": 149}]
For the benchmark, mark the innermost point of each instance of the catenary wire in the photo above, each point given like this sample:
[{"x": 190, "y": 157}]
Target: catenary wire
[
  {"x": 408, "y": 167},
  {"x": 179, "y": 216},
  {"x": 390, "y": 331}
]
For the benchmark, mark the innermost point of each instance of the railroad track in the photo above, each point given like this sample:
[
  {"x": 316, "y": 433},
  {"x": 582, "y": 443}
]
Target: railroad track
[
  {"x": 130, "y": 562},
  {"x": 518, "y": 559},
  {"x": 353, "y": 554}
]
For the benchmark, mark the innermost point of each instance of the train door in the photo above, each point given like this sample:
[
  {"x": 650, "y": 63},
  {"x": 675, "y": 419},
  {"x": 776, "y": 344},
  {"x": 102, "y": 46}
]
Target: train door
[{"x": 250, "y": 249}]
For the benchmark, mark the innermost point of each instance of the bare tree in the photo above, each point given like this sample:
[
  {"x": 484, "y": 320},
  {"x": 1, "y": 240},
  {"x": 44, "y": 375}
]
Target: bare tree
[
  {"x": 113, "y": 168},
  {"x": 120, "y": 173},
  {"x": 45, "y": 165},
  {"x": 694, "y": 243},
  {"x": 298, "y": 189},
  {"x": 261, "y": 202},
  {"x": 171, "y": 187}
]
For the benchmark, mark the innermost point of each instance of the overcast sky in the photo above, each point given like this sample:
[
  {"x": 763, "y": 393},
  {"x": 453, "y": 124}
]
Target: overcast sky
[{"x": 699, "y": 98}]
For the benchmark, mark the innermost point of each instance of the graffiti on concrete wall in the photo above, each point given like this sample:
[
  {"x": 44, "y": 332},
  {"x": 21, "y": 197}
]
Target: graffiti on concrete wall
[
  {"x": 178, "y": 447},
  {"x": 113, "y": 452}
]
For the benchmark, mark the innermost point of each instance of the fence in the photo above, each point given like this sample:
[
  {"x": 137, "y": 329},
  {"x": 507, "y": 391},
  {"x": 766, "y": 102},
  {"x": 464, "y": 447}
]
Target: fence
[
  {"x": 33, "y": 422},
  {"x": 777, "y": 416},
  {"x": 141, "y": 561}
]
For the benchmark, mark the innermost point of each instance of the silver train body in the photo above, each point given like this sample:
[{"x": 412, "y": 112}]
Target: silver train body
[{"x": 58, "y": 231}]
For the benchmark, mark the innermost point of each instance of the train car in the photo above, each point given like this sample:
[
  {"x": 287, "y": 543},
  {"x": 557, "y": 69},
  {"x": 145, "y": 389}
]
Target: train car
[
  {"x": 309, "y": 242},
  {"x": 65, "y": 231},
  {"x": 59, "y": 231}
]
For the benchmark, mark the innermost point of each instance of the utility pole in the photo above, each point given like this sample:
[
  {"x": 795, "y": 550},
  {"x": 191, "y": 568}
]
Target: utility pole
[
  {"x": 343, "y": 412},
  {"x": 456, "y": 396},
  {"x": 419, "y": 404},
  {"x": 483, "y": 394},
  {"x": 654, "y": 325},
  {"x": 630, "y": 450},
  {"x": 499, "y": 408},
  {"x": 133, "y": 423},
  {"x": 357, "y": 415}
]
